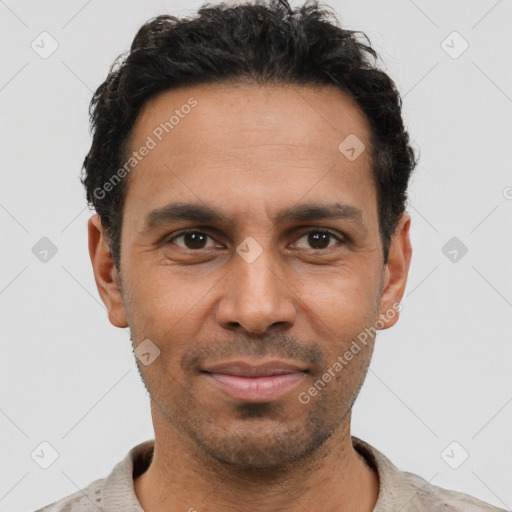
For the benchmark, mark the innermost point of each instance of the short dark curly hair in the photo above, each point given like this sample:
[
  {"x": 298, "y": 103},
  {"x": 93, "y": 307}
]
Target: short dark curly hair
[{"x": 256, "y": 42}]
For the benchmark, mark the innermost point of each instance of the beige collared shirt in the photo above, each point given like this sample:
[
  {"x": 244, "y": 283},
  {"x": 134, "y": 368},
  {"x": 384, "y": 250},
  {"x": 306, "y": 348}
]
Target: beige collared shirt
[{"x": 400, "y": 491}]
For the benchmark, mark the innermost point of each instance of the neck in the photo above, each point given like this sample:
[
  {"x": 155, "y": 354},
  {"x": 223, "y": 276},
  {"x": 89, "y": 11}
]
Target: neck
[{"x": 183, "y": 477}]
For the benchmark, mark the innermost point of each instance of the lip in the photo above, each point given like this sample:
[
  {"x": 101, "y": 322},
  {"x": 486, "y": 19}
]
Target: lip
[
  {"x": 246, "y": 369},
  {"x": 255, "y": 383}
]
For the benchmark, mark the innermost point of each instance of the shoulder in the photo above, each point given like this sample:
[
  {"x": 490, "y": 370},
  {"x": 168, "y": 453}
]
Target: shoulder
[
  {"x": 85, "y": 500},
  {"x": 408, "y": 492},
  {"x": 114, "y": 492},
  {"x": 425, "y": 496}
]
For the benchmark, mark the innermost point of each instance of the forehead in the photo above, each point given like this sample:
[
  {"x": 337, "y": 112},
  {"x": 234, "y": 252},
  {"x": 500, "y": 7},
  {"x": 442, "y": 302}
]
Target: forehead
[
  {"x": 297, "y": 115},
  {"x": 220, "y": 141}
]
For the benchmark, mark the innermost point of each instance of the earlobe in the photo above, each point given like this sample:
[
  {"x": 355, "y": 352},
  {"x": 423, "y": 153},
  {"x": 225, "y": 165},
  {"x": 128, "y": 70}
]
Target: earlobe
[
  {"x": 396, "y": 273},
  {"x": 105, "y": 273}
]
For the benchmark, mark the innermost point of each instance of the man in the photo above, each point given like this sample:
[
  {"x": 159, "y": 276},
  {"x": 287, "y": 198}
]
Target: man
[{"x": 249, "y": 170}]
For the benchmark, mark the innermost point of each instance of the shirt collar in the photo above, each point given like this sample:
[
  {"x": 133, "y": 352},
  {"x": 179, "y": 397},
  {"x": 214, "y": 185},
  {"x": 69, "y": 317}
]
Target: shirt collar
[{"x": 119, "y": 493}]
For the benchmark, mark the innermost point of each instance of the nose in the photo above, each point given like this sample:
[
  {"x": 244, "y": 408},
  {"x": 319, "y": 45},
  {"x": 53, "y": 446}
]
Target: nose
[{"x": 256, "y": 296}]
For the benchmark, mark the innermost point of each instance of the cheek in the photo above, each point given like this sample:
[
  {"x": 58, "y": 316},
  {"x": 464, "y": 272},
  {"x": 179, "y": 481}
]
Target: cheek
[
  {"x": 342, "y": 305},
  {"x": 170, "y": 310},
  {"x": 162, "y": 296}
]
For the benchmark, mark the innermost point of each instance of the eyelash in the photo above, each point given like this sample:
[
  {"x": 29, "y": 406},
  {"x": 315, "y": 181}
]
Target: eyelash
[{"x": 340, "y": 239}]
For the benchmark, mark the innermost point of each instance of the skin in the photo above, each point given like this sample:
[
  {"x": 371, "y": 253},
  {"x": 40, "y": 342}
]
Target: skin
[{"x": 249, "y": 152}]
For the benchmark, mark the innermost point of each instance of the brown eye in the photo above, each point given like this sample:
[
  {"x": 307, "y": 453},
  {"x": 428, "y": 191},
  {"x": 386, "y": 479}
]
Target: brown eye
[
  {"x": 193, "y": 240},
  {"x": 320, "y": 239}
]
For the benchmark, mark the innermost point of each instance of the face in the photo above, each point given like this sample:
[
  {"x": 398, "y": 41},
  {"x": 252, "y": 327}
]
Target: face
[{"x": 249, "y": 234}]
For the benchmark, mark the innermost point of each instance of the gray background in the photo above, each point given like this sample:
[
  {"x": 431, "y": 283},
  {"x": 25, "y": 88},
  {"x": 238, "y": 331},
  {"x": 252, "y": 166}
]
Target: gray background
[{"x": 442, "y": 374}]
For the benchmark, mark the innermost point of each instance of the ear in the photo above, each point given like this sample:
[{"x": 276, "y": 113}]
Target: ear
[
  {"x": 395, "y": 273},
  {"x": 105, "y": 274}
]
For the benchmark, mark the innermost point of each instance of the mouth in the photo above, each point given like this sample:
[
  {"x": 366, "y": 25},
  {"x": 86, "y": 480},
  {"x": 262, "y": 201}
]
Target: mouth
[{"x": 247, "y": 382}]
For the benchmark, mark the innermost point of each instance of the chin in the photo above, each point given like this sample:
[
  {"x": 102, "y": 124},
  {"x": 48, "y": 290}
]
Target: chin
[{"x": 264, "y": 444}]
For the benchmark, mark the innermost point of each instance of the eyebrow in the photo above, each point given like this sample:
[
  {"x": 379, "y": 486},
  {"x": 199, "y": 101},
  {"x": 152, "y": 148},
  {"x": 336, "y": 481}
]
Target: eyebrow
[
  {"x": 181, "y": 211},
  {"x": 204, "y": 214},
  {"x": 310, "y": 212}
]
